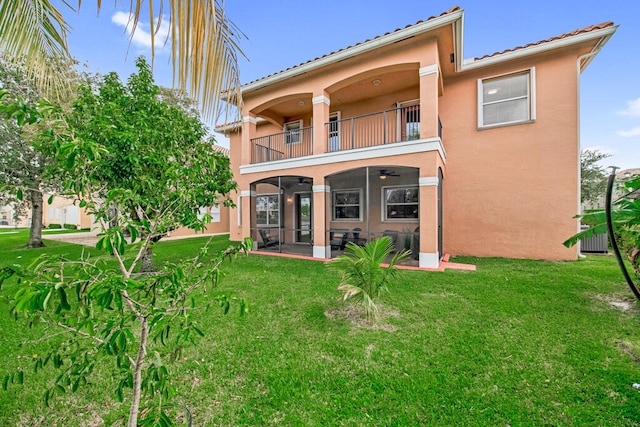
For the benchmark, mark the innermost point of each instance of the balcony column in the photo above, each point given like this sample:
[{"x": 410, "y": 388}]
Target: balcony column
[
  {"x": 429, "y": 253},
  {"x": 321, "y": 211},
  {"x": 320, "y": 118},
  {"x": 248, "y": 131},
  {"x": 429, "y": 82}
]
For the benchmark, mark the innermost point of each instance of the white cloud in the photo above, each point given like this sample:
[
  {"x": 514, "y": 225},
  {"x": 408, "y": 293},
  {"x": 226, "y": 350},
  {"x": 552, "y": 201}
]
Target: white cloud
[
  {"x": 631, "y": 132},
  {"x": 633, "y": 108},
  {"x": 142, "y": 36}
]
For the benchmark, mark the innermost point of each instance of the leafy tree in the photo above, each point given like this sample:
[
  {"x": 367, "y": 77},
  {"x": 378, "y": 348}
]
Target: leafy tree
[
  {"x": 362, "y": 275},
  {"x": 625, "y": 218},
  {"x": 156, "y": 170},
  {"x": 126, "y": 150},
  {"x": 203, "y": 43},
  {"x": 25, "y": 155},
  {"x": 593, "y": 181}
]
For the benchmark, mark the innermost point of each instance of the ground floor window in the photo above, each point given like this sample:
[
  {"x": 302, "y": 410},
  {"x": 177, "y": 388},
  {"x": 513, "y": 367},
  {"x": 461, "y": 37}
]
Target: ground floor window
[
  {"x": 268, "y": 209},
  {"x": 400, "y": 202},
  {"x": 347, "y": 204}
]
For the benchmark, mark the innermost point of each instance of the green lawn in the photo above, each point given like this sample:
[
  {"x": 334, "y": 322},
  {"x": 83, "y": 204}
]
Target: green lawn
[{"x": 514, "y": 343}]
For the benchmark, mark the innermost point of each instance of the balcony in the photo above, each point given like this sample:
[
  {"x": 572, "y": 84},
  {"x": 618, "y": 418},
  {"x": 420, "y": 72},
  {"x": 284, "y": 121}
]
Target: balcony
[
  {"x": 368, "y": 130},
  {"x": 284, "y": 145}
]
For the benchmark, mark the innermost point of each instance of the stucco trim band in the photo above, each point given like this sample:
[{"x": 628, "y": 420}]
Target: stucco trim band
[
  {"x": 321, "y": 99},
  {"x": 428, "y": 181},
  {"x": 374, "y": 152},
  {"x": 429, "y": 69}
]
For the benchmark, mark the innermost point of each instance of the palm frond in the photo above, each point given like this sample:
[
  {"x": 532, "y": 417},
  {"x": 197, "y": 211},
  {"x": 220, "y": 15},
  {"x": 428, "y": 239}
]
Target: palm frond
[
  {"x": 362, "y": 275},
  {"x": 34, "y": 33},
  {"x": 204, "y": 45},
  {"x": 205, "y": 52}
]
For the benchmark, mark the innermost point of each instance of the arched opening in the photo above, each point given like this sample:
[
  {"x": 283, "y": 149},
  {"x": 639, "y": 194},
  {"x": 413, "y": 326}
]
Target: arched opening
[
  {"x": 282, "y": 214},
  {"x": 371, "y": 202}
]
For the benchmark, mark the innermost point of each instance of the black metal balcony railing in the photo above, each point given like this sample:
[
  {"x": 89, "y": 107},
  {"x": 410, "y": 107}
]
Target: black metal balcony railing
[
  {"x": 285, "y": 145},
  {"x": 383, "y": 127}
]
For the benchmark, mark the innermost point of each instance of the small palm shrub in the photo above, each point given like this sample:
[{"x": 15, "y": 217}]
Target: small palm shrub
[{"x": 362, "y": 275}]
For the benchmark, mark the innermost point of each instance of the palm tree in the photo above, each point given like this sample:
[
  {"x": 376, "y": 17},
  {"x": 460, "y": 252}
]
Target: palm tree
[
  {"x": 203, "y": 44},
  {"x": 362, "y": 275}
]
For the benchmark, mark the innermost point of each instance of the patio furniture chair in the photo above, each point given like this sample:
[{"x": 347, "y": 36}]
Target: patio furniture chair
[
  {"x": 267, "y": 240},
  {"x": 338, "y": 239},
  {"x": 393, "y": 234},
  {"x": 355, "y": 233}
]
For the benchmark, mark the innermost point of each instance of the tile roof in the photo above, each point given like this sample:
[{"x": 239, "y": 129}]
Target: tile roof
[
  {"x": 562, "y": 36},
  {"x": 453, "y": 9},
  {"x": 221, "y": 149}
]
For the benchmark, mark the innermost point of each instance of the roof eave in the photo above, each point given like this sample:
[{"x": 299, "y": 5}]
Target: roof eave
[
  {"x": 604, "y": 34},
  {"x": 388, "y": 39}
]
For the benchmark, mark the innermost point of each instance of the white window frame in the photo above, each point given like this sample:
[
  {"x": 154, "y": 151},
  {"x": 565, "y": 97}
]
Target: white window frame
[
  {"x": 292, "y": 132},
  {"x": 333, "y": 204},
  {"x": 214, "y": 211},
  {"x": 383, "y": 198},
  {"x": 268, "y": 224},
  {"x": 531, "y": 95},
  {"x": 334, "y": 145}
]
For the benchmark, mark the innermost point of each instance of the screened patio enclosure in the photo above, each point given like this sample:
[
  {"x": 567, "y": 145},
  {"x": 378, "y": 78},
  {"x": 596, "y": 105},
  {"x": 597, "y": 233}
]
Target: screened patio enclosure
[{"x": 355, "y": 205}]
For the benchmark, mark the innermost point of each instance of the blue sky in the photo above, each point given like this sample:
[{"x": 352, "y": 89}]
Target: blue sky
[{"x": 284, "y": 33}]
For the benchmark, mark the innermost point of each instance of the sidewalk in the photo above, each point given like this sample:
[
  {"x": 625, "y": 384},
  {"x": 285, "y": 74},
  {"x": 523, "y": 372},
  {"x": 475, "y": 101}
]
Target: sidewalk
[{"x": 89, "y": 238}]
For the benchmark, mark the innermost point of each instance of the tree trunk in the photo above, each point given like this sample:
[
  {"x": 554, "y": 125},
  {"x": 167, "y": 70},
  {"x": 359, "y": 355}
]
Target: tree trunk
[
  {"x": 137, "y": 374},
  {"x": 35, "y": 232},
  {"x": 146, "y": 262}
]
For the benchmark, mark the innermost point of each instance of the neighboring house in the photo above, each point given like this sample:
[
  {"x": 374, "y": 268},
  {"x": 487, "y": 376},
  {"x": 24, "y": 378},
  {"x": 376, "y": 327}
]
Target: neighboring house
[
  {"x": 219, "y": 215},
  {"x": 65, "y": 212},
  {"x": 8, "y": 217},
  {"x": 399, "y": 135}
]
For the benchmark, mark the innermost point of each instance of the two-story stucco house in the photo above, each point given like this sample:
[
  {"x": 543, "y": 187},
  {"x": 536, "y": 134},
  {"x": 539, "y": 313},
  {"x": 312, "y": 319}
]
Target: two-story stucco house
[{"x": 401, "y": 136}]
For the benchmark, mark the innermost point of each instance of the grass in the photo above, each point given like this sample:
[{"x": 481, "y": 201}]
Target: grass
[{"x": 515, "y": 343}]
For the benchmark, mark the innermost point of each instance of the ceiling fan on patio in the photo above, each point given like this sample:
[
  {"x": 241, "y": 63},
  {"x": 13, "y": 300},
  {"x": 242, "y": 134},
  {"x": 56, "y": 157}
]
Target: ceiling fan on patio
[
  {"x": 302, "y": 180},
  {"x": 384, "y": 173}
]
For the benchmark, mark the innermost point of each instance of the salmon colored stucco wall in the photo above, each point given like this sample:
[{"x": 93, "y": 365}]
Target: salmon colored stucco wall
[
  {"x": 220, "y": 227},
  {"x": 508, "y": 191},
  {"x": 512, "y": 191}
]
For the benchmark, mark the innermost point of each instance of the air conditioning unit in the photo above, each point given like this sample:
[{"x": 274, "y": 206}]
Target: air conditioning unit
[{"x": 595, "y": 244}]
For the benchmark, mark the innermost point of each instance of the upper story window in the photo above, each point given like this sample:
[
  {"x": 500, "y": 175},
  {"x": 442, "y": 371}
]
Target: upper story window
[
  {"x": 292, "y": 133},
  {"x": 334, "y": 131},
  {"x": 506, "y": 100},
  {"x": 409, "y": 119}
]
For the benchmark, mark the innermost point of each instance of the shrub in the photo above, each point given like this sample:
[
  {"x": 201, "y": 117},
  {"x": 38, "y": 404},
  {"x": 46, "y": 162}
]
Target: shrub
[
  {"x": 70, "y": 227},
  {"x": 53, "y": 226},
  {"x": 363, "y": 276}
]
